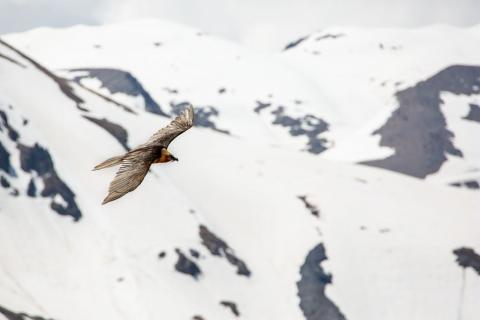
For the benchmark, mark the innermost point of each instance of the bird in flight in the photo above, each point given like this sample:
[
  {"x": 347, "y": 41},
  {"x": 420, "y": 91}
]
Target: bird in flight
[{"x": 135, "y": 164}]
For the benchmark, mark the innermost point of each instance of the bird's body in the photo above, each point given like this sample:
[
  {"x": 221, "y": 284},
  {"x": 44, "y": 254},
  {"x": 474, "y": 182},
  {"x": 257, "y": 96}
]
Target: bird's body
[{"x": 136, "y": 163}]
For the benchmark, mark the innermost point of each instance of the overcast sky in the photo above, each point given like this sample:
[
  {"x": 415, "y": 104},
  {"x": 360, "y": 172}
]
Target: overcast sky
[{"x": 251, "y": 22}]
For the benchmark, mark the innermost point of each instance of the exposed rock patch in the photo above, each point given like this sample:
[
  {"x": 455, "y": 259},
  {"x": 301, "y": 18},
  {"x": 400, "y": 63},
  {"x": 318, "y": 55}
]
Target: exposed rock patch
[
  {"x": 31, "y": 189},
  {"x": 329, "y": 36},
  {"x": 14, "y": 192},
  {"x": 232, "y": 306},
  {"x": 171, "y": 90},
  {"x": 10, "y": 315},
  {"x": 194, "y": 253},
  {"x": 472, "y": 184},
  {"x": 417, "y": 130},
  {"x": 295, "y": 43},
  {"x": 5, "y": 164},
  {"x": 468, "y": 258},
  {"x": 116, "y": 81},
  {"x": 261, "y": 105},
  {"x": 104, "y": 97},
  {"x": 473, "y": 113},
  {"x": 117, "y": 131},
  {"x": 186, "y": 266},
  {"x": 219, "y": 247},
  {"x": 12, "y": 60},
  {"x": 469, "y": 184},
  {"x": 4, "y": 182},
  {"x": 12, "y": 133},
  {"x": 309, "y": 206},
  {"x": 38, "y": 159},
  {"x": 309, "y": 126},
  {"x": 314, "y": 304}
]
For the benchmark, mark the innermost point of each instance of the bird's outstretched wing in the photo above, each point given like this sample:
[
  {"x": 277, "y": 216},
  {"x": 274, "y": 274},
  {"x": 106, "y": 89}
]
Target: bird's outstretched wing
[
  {"x": 179, "y": 125},
  {"x": 134, "y": 167}
]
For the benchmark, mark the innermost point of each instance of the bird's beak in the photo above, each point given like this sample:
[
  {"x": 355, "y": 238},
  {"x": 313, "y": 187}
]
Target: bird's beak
[{"x": 174, "y": 159}]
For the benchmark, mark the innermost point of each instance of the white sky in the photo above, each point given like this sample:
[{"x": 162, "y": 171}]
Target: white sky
[{"x": 257, "y": 23}]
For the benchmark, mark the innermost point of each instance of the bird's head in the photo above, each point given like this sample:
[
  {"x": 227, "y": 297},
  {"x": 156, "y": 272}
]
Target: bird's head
[{"x": 166, "y": 156}]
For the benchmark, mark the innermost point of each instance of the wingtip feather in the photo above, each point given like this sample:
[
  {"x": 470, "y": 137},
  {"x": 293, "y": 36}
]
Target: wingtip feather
[
  {"x": 191, "y": 113},
  {"x": 108, "y": 163},
  {"x": 108, "y": 199}
]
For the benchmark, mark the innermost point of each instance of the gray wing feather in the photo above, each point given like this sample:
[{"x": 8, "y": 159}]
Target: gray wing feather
[
  {"x": 134, "y": 167},
  {"x": 179, "y": 125}
]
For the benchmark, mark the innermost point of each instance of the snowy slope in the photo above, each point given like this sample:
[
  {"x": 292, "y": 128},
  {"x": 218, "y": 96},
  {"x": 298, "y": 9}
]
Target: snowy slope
[
  {"x": 176, "y": 64},
  {"x": 389, "y": 85},
  {"x": 280, "y": 234},
  {"x": 333, "y": 90}
]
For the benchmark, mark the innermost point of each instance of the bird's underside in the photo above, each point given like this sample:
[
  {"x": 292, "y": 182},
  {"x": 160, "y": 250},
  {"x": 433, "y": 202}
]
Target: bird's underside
[{"x": 135, "y": 164}]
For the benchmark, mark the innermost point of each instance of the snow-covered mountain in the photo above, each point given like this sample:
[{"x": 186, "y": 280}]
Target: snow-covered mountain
[
  {"x": 395, "y": 99},
  {"x": 408, "y": 92},
  {"x": 269, "y": 213}
]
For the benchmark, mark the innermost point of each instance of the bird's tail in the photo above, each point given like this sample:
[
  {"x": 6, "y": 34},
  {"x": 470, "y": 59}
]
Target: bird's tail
[{"x": 109, "y": 163}]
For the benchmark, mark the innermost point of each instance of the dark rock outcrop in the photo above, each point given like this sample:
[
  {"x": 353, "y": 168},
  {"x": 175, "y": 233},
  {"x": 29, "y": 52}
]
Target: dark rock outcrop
[
  {"x": 232, "y": 306},
  {"x": 116, "y": 130},
  {"x": 4, "y": 182},
  {"x": 417, "y": 130},
  {"x": 10, "y": 59},
  {"x": 14, "y": 192},
  {"x": 468, "y": 258},
  {"x": 5, "y": 164},
  {"x": 194, "y": 253},
  {"x": 186, "y": 265},
  {"x": 469, "y": 184},
  {"x": 171, "y": 90},
  {"x": 116, "y": 81},
  {"x": 10, "y": 315},
  {"x": 104, "y": 97},
  {"x": 473, "y": 113},
  {"x": 12, "y": 133},
  {"x": 308, "y": 125},
  {"x": 38, "y": 159},
  {"x": 472, "y": 184},
  {"x": 219, "y": 247},
  {"x": 295, "y": 43},
  {"x": 329, "y": 36},
  {"x": 314, "y": 303},
  {"x": 261, "y": 105},
  {"x": 31, "y": 189},
  {"x": 309, "y": 206}
]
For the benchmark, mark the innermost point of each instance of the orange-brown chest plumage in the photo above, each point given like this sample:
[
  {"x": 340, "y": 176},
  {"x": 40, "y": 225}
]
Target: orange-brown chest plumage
[{"x": 164, "y": 156}]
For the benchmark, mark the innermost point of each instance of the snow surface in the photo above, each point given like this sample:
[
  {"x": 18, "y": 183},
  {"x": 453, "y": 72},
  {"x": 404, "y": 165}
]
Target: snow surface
[
  {"x": 389, "y": 238},
  {"x": 348, "y": 77}
]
